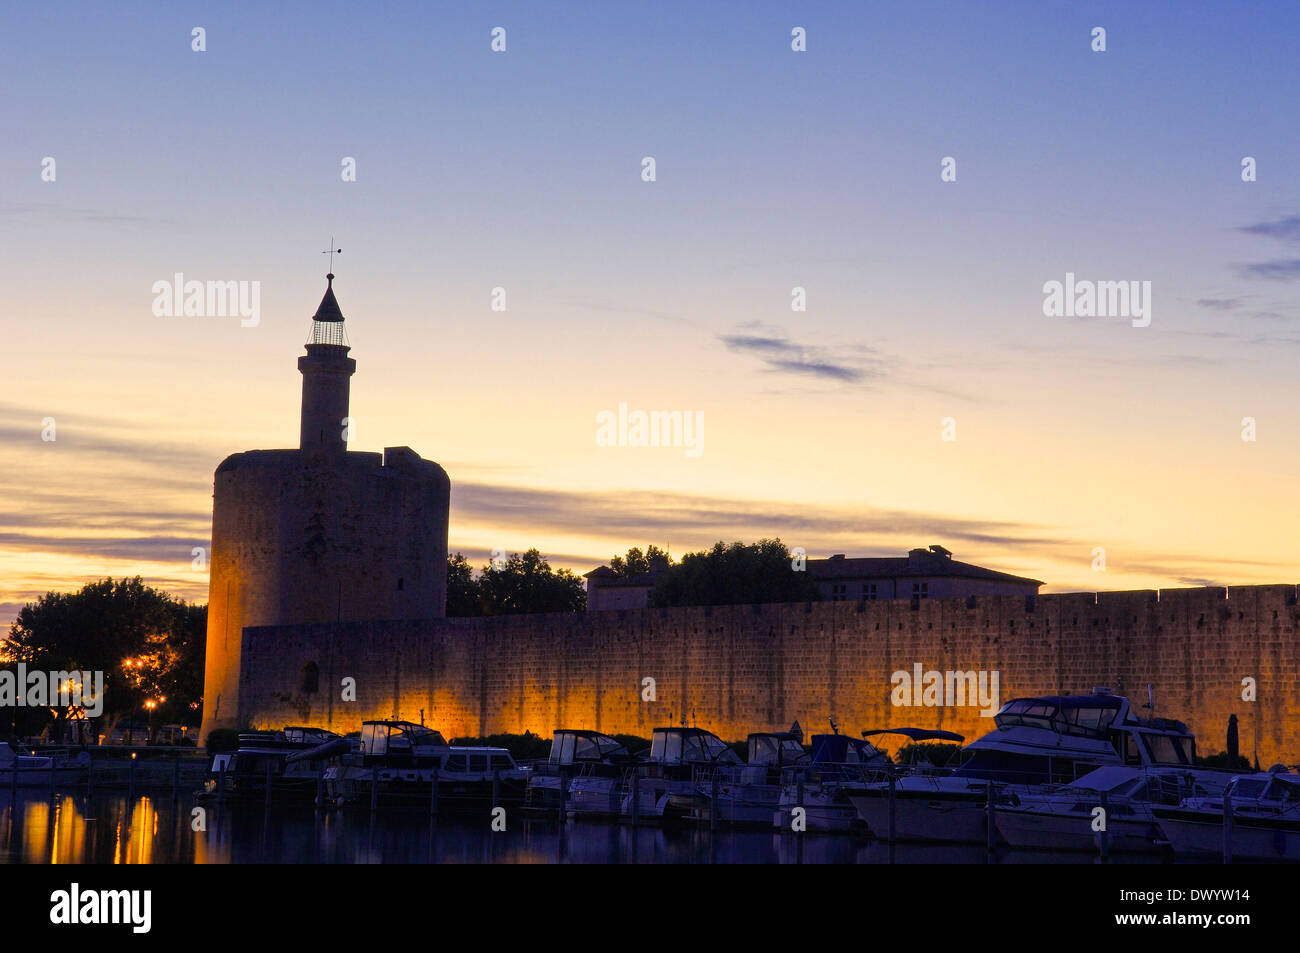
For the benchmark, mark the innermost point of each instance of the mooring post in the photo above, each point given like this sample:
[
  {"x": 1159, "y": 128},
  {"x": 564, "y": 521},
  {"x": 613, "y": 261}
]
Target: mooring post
[
  {"x": 1227, "y": 828},
  {"x": 713, "y": 810},
  {"x": 374, "y": 789},
  {"x": 893, "y": 822},
  {"x": 130, "y": 779},
  {"x": 636, "y": 795},
  {"x": 1105, "y": 826},
  {"x": 564, "y": 794},
  {"x": 433, "y": 793},
  {"x": 176, "y": 776},
  {"x": 268, "y": 783},
  {"x": 221, "y": 781},
  {"x": 51, "y": 777},
  {"x": 991, "y": 821},
  {"x": 90, "y": 779},
  {"x": 496, "y": 787}
]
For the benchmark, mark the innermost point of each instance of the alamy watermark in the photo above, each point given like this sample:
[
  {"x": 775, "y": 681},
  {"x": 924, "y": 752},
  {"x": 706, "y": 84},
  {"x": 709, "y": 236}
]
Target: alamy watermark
[
  {"x": 654, "y": 428},
  {"x": 24, "y": 689},
  {"x": 934, "y": 689},
  {"x": 208, "y": 299},
  {"x": 1098, "y": 299}
]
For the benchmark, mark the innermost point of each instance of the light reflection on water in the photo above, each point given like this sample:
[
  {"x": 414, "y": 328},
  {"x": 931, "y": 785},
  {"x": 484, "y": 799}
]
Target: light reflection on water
[{"x": 157, "y": 829}]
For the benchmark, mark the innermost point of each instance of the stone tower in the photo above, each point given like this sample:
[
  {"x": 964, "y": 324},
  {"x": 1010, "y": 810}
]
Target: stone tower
[{"x": 321, "y": 533}]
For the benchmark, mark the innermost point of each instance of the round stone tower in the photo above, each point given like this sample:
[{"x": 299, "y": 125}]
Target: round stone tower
[{"x": 321, "y": 533}]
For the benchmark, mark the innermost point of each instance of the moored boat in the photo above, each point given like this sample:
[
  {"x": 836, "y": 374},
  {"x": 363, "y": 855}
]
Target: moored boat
[
  {"x": 1071, "y": 817},
  {"x": 746, "y": 794},
  {"x": 1265, "y": 822},
  {"x": 398, "y": 762},
  {"x": 273, "y": 757},
  {"x": 41, "y": 770},
  {"x": 1043, "y": 740},
  {"x": 575, "y": 753},
  {"x": 842, "y": 764}
]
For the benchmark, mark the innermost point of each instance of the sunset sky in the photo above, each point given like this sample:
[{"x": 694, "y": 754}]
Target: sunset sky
[{"x": 775, "y": 169}]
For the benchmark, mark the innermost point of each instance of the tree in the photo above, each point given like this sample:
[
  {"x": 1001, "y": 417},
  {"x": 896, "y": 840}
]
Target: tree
[
  {"x": 636, "y": 563},
  {"x": 148, "y": 644},
  {"x": 738, "y": 574},
  {"x": 527, "y": 583},
  {"x": 463, "y": 596}
]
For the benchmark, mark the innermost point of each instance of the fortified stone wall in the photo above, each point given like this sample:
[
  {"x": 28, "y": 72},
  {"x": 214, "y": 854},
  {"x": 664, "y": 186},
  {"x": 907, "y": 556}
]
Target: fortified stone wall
[{"x": 738, "y": 669}]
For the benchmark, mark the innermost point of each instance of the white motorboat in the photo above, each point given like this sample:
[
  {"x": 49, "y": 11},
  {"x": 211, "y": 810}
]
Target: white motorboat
[
  {"x": 39, "y": 770},
  {"x": 1051, "y": 739},
  {"x": 748, "y": 794},
  {"x": 403, "y": 760},
  {"x": 575, "y": 753},
  {"x": 1265, "y": 822},
  {"x": 645, "y": 789},
  {"x": 1115, "y": 802},
  {"x": 839, "y": 765}
]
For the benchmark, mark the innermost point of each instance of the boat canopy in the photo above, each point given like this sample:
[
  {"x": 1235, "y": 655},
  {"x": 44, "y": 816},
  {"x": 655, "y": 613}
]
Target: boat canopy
[
  {"x": 1064, "y": 714},
  {"x": 675, "y": 745},
  {"x": 918, "y": 734},
  {"x": 844, "y": 749},
  {"x": 570, "y": 745},
  {"x": 381, "y": 737},
  {"x": 1266, "y": 786},
  {"x": 775, "y": 748}
]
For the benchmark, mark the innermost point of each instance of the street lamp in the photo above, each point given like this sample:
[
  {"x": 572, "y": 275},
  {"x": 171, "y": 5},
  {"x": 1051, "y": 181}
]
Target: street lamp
[{"x": 150, "y": 705}]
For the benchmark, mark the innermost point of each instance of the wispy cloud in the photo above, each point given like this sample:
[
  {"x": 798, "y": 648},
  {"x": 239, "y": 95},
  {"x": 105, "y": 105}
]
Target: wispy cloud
[
  {"x": 1287, "y": 269},
  {"x": 847, "y": 364},
  {"x": 32, "y": 212},
  {"x": 1286, "y": 229},
  {"x": 1220, "y": 304}
]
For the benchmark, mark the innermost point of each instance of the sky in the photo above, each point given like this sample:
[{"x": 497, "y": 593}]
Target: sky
[{"x": 774, "y": 169}]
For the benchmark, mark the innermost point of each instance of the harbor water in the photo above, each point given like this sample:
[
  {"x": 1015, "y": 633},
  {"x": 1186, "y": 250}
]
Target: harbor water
[{"x": 114, "y": 828}]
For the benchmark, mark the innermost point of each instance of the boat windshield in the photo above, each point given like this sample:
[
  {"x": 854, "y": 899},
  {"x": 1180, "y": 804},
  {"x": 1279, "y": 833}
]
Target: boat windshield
[
  {"x": 1284, "y": 790},
  {"x": 378, "y": 738},
  {"x": 1169, "y": 749},
  {"x": 568, "y": 747},
  {"x": 773, "y": 749},
  {"x": 1071, "y": 719},
  {"x": 675, "y": 747},
  {"x": 1248, "y": 787}
]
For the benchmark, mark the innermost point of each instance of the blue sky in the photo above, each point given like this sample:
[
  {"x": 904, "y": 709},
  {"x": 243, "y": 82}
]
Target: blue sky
[{"x": 775, "y": 169}]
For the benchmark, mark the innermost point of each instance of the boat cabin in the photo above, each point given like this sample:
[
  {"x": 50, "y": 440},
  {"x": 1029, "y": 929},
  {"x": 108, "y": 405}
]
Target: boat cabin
[
  {"x": 1057, "y": 738},
  {"x": 306, "y": 737},
  {"x": 1274, "y": 791},
  {"x": 777, "y": 749},
  {"x": 844, "y": 749},
  {"x": 396, "y": 741},
  {"x": 678, "y": 746},
  {"x": 1088, "y": 715},
  {"x": 578, "y": 746}
]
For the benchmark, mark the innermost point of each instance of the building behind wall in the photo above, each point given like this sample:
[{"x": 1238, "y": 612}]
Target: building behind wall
[{"x": 921, "y": 574}]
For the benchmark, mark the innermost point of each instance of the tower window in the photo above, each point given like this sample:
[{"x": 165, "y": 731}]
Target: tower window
[
  {"x": 920, "y": 590},
  {"x": 310, "y": 678}
]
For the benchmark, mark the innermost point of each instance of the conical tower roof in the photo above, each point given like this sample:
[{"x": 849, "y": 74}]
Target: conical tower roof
[{"x": 329, "y": 305}]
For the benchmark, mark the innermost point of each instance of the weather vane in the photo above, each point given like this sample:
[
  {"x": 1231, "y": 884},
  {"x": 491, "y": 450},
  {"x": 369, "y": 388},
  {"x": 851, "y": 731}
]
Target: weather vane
[{"x": 332, "y": 251}]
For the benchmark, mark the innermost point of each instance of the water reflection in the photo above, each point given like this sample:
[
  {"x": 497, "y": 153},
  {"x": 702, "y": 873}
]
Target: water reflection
[{"x": 142, "y": 830}]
